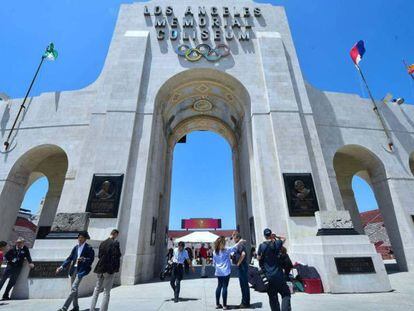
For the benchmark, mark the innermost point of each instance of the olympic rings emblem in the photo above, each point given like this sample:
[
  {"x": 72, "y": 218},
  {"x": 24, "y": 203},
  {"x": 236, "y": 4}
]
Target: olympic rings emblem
[{"x": 203, "y": 50}]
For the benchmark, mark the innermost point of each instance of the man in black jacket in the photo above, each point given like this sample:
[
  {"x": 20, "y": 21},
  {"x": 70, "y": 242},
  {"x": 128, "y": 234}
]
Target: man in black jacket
[
  {"x": 15, "y": 258},
  {"x": 108, "y": 264}
]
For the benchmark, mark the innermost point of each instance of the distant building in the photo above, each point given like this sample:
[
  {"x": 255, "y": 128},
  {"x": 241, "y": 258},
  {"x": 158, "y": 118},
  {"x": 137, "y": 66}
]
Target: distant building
[
  {"x": 374, "y": 228},
  {"x": 24, "y": 227}
]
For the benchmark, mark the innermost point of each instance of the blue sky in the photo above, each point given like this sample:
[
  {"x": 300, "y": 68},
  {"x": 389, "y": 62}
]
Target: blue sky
[{"x": 323, "y": 32}]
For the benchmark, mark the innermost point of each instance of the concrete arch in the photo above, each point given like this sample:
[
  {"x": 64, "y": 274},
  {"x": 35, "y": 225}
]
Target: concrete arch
[
  {"x": 202, "y": 123},
  {"x": 195, "y": 99},
  {"x": 46, "y": 160},
  {"x": 351, "y": 160},
  {"x": 169, "y": 93}
]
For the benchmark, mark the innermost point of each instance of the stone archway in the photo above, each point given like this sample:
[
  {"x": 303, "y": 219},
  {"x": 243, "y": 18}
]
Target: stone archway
[
  {"x": 45, "y": 160},
  {"x": 351, "y": 160},
  {"x": 209, "y": 100},
  {"x": 195, "y": 99}
]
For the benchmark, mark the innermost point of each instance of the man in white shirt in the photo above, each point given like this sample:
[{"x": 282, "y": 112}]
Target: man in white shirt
[
  {"x": 179, "y": 257},
  {"x": 80, "y": 260}
]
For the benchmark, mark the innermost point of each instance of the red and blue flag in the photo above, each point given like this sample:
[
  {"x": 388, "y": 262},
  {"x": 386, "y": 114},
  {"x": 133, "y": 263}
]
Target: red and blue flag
[{"x": 357, "y": 51}]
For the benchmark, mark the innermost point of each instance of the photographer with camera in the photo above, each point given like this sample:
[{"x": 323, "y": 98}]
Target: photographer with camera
[{"x": 269, "y": 260}]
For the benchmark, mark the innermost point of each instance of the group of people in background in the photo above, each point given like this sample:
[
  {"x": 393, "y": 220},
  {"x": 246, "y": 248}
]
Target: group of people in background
[
  {"x": 271, "y": 255},
  {"x": 272, "y": 258}
]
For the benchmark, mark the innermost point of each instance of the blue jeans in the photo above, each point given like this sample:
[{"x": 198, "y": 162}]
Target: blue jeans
[
  {"x": 244, "y": 284},
  {"x": 176, "y": 277},
  {"x": 223, "y": 283}
]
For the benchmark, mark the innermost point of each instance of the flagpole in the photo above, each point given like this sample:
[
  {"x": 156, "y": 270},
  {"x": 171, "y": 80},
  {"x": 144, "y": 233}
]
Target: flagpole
[
  {"x": 387, "y": 133},
  {"x": 22, "y": 106}
]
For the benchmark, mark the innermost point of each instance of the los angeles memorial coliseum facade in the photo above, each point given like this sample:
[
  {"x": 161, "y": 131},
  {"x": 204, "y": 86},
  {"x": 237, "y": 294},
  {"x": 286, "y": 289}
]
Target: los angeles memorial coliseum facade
[{"x": 229, "y": 67}]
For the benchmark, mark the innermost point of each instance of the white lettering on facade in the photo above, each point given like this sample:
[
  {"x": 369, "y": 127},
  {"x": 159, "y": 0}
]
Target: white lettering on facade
[{"x": 217, "y": 23}]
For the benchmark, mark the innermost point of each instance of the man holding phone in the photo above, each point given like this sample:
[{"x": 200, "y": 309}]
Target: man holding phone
[{"x": 80, "y": 260}]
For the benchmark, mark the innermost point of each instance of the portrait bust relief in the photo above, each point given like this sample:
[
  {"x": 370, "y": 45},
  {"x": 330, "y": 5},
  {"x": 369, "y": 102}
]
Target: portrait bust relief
[
  {"x": 300, "y": 194},
  {"x": 104, "y": 196},
  {"x": 105, "y": 191}
]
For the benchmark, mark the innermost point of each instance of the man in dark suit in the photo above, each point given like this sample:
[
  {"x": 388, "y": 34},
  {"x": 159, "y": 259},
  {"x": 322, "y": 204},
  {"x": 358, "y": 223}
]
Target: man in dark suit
[
  {"x": 15, "y": 258},
  {"x": 108, "y": 264},
  {"x": 80, "y": 260}
]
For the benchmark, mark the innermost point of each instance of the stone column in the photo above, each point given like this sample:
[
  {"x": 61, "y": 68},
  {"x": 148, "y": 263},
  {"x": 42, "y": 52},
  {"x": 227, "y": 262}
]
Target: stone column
[
  {"x": 348, "y": 198},
  {"x": 395, "y": 197},
  {"x": 12, "y": 190}
]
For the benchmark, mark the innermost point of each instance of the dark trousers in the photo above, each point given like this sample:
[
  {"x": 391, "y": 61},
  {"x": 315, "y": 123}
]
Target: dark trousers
[
  {"x": 223, "y": 283},
  {"x": 13, "y": 274},
  {"x": 176, "y": 277},
  {"x": 244, "y": 284},
  {"x": 279, "y": 287}
]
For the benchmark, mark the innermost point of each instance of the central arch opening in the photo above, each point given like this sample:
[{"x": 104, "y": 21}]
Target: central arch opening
[
  {"x": 200, "y": 105},
  {"x": 202, "y": 183}
]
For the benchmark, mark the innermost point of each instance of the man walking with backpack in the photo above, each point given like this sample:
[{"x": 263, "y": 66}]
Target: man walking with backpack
[
  {"x": 269, "y": 260},
  {"x": 108, "y": 264}
]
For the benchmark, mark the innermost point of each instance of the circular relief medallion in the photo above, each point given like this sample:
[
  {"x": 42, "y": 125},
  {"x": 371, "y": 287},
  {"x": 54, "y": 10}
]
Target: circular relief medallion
[{"x": 202, "y": 105}]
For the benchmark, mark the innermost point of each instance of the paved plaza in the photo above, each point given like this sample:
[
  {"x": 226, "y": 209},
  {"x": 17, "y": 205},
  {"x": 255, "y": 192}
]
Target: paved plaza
[{"x": 198, "y": 294}]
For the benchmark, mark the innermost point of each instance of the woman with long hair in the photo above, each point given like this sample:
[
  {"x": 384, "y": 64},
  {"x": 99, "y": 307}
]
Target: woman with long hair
[{"x": 222, "y": 264}]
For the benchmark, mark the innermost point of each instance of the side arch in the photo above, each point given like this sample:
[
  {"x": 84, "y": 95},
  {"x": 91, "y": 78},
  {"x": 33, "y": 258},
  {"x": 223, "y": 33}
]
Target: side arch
[
  {"x": 47, "y": 160},
  {"x": 351, "y": 160}
]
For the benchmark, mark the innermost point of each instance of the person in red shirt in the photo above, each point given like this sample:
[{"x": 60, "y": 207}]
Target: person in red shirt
[
  {"x": 203, "y": 257},
  {"x": 3, "y": 246}
]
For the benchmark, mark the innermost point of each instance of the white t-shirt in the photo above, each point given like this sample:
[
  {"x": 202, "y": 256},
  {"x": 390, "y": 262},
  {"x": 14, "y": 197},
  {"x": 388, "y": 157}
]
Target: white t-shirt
[
  {"x": 180, "y": 257},
  {"x": 80, "y": 249}
]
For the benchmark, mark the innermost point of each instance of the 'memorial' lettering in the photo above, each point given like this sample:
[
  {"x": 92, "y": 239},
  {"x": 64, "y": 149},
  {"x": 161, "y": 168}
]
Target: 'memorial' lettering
[{"x": 223, "y": 23}]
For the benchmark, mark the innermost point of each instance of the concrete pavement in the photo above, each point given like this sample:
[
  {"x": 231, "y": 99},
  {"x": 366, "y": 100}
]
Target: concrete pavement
[{"x": 198, "y": 294}]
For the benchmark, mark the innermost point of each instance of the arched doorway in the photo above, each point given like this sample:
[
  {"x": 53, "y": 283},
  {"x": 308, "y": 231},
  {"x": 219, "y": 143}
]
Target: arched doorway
[
  {"x": 371, "y": 217},
  {"x": 49, "y": 161},
  {"x": 205, "y": 159},
  {"x": 354, "y": 160},
  {"x": 193, "y": 100},
  {"x": 30, "y": 210}
]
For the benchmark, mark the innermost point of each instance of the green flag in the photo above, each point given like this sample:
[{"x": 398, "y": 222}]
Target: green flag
[{"x": 50, "y": 53}]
